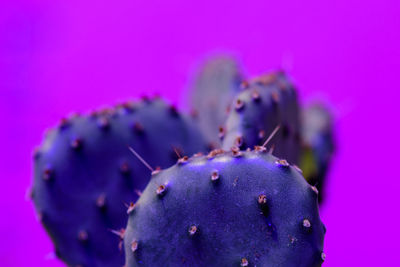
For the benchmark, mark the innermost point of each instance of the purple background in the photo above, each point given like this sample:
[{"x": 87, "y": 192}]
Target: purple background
[{"x": 63, "y": 56}]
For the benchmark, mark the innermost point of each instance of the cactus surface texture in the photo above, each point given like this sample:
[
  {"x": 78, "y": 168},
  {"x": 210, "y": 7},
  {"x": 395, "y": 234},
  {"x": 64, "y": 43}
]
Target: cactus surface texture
[
  {"x": 84, "y": 175},
  {"x": 265, "y": 102},
  {"x": 237, "y": 208}
]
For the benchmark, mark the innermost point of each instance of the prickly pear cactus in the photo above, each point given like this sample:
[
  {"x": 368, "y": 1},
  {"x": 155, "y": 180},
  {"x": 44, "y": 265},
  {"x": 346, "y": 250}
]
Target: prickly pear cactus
[
  {"x": 318, "y": 145},
  {"x": 266, "y": 102},
  {"x": 226, "y": 209},
  {"x": 84, "y": 173},
  {"x": 213, "y": 89}
]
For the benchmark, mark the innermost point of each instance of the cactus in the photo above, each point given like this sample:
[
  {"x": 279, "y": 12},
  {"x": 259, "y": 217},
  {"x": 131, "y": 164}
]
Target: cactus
[
  {"x": 265, "y": 102},
  {"x": 226, "y": 209},
  {"x": 213, "y": 89},
  {"x": 318, "y": 145},
  {"x": 84, "y": 173}
]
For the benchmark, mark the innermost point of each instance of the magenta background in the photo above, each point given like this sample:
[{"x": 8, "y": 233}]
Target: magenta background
[{"x": 63, "y": 56}]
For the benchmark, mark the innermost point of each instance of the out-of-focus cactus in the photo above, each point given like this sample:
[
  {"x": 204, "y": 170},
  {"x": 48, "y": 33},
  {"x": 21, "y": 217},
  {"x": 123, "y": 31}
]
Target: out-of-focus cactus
[
  {"x": 84, "y": 173},
  {"x": 214, "y": 86},
  {"x": 318, "y": 145},
  {"x": 265, "y": 102}
]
